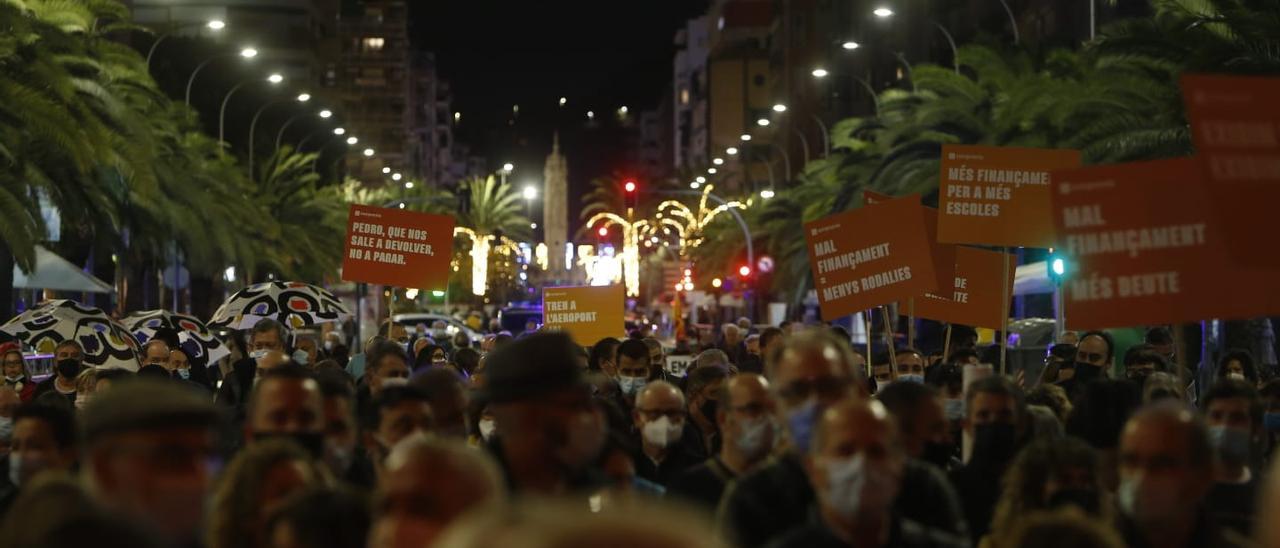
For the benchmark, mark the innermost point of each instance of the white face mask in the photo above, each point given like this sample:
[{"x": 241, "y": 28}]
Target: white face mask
[
  {"x": 631, "y": 386},
  {"x": 1146, "y": 498},
  {"x": 301, "y": 357},
  {"x": 395, "y": 381},
  {"x": 755, "y": 436},
  {"x": 487, "y": 428},
  {"x": 1236, "y": 376},
  {"x": 257, "y": 354},
  {"x": 328, "y": 346},
  {"x": 858, "y": 486},
  {"x": 24, "y": 468},
  {"x": 663, "y": 432}
]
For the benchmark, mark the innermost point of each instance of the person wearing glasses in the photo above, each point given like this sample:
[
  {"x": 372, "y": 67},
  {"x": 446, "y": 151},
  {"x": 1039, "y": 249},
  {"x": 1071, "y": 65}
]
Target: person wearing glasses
[{"x": 660, "y": 415}]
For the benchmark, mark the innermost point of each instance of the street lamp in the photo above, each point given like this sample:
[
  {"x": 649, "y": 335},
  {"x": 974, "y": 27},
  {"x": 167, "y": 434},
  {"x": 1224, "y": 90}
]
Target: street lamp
[
  {"x": 408, "y": 184},
  {"x": 396, "y": 176},
  {"x": 701, "y": 179},
  {"x": 212, "y": 24},
  {"x": 530, "y": 193},
  {"x": 339, "y": 130},
  {"x": 779, "y": 107},
  {"x": 882, "y": 12},
  {"x": 732, "y": 151},
  {"x": 368, "y": 152},
  {"x": 253, "y": 125},
  {"x": 766, "y": 193},
  {"x": 507, "y": 168},
  {"x": 819, "y": 72},
  {"x": 274, "y": 78},
  {"x": 762, "y": 122},
  {"x": 386, "y": 170},
  {"x": 352, "y": 140},
  {"x": 325, "y": 114},
  {"x": 244, "y": 53},
  {"x": 745, "y": 137},
  {"x": 717, "y": 161},
  {"x": 694, "y": 185},
  {"x": 850, "y": 45}
]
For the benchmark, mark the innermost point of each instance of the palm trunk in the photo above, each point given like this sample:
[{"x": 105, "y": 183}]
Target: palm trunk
[{"x": 6, "y": 283}]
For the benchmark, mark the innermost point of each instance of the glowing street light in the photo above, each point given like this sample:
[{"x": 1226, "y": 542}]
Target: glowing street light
[
  {"x": 717, "y": 161},
  {"x": 352, "y": 140},
  {"x": 563, "y": 100},
  {"x": 694, "y": 185},
  {"x": 819, "y": 73},
  {"x": 368, "y": 152},
  {"x": 304, "y": 97},
  {"x": 326, "y": 113},
  {"x": 530, "y": 193},
  {"x": 216, "y": 24},
  {"x": 779, "y": 107},
  {"x": 711, "y": 170},
  {"x": 716, "y": 283},
  {"x": 766, "y": 193},
  {"x": 883, "y": 12},
  {"x": 408, "y": 184},
  {"x": 339, "y": 131},
  {"x": 386, "y": 170},
  {"x": 249, "y": 53},
  {"x": 275, "y": 78},
  {"x": 745, "y": 137},
  {"x": 850, "y": 45},
  {"x": 731, "y": 151},
  {"x": 763, "y": 122},
  {"x": 701, "y": 179},
  {"x": 508, "y": 167},
  {"x": 396, "y": 176}
]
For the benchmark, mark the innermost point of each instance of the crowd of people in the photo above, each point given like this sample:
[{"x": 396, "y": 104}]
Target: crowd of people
[{"x": 782, "y": 437}]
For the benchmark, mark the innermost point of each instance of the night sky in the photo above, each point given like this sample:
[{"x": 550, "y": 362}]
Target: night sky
[{"x": 598, "y": 54}]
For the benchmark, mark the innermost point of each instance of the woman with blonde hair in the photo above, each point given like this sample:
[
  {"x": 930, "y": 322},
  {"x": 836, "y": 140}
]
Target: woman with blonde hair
[{"x": 263, "y": 475}]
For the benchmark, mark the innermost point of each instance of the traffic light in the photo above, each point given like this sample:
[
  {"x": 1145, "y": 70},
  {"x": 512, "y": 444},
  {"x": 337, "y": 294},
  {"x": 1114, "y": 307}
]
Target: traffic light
[
  {"x": 603, "y": 232},
  {"x": 1057, "y": 266},
  {"x": 629, "y": 186},
  {"x": 744, "y": 271}
]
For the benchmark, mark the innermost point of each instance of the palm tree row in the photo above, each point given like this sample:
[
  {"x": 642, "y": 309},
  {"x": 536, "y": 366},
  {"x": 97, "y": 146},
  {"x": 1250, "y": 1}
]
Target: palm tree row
[
  {"x": 85, "y": 130},
  {"x": 1116, "y": 99}
]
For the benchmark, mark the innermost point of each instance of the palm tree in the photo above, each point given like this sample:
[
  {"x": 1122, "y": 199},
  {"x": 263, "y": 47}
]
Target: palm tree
[{"x": 491, "y": 224}]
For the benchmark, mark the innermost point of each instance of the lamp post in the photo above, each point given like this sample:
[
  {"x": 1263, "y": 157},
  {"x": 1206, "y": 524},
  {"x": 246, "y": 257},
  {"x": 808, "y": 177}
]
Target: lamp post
[
  {"x": 247, "y": 53},
  {"x": 275, "y": 78},
  {"x": 253, "y": 125},
  {"x": 213, "y": 25},
  {"x": 507, "y": 168}
]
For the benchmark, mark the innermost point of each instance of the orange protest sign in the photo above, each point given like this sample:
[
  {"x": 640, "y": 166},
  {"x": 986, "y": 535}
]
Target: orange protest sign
[
  {"x": 586, "y": 313},
  {"x": 870, "y": 256},
  {"x": 1235, "y": 125},
  {"x": 998, "y": 195},
  {"x": 1147, "y": 251},
  {"x": 397, "y": 248},
  {"x": 974, "y": 297},
  {"x": 944, "y": 255}
]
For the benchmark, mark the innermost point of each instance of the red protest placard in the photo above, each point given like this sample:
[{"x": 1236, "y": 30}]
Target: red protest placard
[
  {"x": 1146, "y": 250},
  {"x": 975, "y": 297},
  {"x": 998, "y": 195},
  {"x": 398, "y": 248},
  {"x": 944, "y": 255},
  {"x": 870, "y": 256},
  {"x": 1235, "y": 125}
]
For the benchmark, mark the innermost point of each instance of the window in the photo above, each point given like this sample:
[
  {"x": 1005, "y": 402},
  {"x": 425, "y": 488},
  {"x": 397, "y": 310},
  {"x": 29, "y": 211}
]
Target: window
[{"x": 373, "y": 43}]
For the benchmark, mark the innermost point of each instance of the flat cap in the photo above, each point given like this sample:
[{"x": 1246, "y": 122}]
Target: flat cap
[
  {"x": 531, "y": 367},
  {"x": 145, "y": 404}
]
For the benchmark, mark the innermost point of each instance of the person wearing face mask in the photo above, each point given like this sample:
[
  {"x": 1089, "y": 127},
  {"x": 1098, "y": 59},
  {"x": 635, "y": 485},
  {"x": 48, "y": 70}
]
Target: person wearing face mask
[
  {"x": 1233, "y": 413},
  {"x": 810, "y": 372},
  {"x": 922, "y": 424},
  {"x": 189, "y": 369},
  {"x": 1140, "y": 363},
  {"x": 856, "y": 466},
  {"x": 386, "y": 365},
  {"x": 265, "y": 338},
  {"x": 343, "y": 454},
  {"x": 909, "y": 365},
  {"x": 149, "y": 449},
  {"x": 549, "y": 431},
  {"x": 703, "y": 390},
  {"x": 659, "y": 417},
  {"x": 745, "y": 416},
  {"x": 1050, "y": 475},
  {"x": 306, "y": 351},
  {"x": 397, "y": 413},
  {"x": 430, "y": 356},
  {"x": 156, "y": 352},
  {"x": 287, "y": 403},
  {"x": 15, "y": 371},
  {"x": 1237, "y": 364},
  {"x": 1094, "y": 353},
  {"x": 43, "y": 439},
  {"x": 996, "y": 419},
  {"x": 1166, "y": 469},
  {"x": 634, "y": 369},
  {"x": 68, "y": 362}
]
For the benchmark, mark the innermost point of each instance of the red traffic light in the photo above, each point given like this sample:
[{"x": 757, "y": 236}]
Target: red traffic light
[
  {"x": 629, "y": 186},
  {"x": 603, "y": 232},
  {"x": 744, "y": 270}
]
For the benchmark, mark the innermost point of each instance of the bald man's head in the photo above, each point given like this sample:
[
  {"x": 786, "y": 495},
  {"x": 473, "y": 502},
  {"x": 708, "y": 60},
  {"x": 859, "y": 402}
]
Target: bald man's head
[
  {"x": 659, "y": 391},
  {"x": 813, "y": 364},
  {"x": 858, "y": 421},
  {"x": 856, "y": 461},
  {"x": 1166, "y": 465}
]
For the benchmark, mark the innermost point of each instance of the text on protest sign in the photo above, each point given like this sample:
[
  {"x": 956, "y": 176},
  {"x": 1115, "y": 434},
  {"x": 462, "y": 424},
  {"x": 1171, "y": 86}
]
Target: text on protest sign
[
  {"x": 870, "y": 256},
  {"x": 974, "y": 297},
  {"x": 586, "y": 313},
  {"x": 998, "y": 195},
  {"x": 1235, "y": 125},
  {"x": 1147, "y": 251},
  {"x": 944, "y": 255},
  {"x": 397, "y": 248}
]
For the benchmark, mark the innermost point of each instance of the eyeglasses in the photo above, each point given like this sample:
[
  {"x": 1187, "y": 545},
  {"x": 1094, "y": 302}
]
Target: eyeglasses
[{"x": 655, "y": 414}]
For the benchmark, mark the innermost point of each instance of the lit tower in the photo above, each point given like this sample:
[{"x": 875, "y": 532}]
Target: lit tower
[{"x": 555, "y": 208}]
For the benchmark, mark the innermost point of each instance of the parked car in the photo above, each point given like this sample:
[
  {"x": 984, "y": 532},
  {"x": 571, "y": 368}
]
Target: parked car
[
  {"x": 518, "y": 318},
  {"x": 411, "y": 320}
]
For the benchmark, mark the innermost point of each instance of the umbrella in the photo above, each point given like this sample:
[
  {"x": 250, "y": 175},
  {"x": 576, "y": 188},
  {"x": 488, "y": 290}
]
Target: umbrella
[
  {"x": 294, "y": 304},
  {"x": 105, "y": 342},
  {"x": 194, "y": 336}
]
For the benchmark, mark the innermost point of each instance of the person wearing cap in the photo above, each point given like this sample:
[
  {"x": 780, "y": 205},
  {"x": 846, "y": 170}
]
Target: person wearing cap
[
  {"x": 548, "y": 428},
  {"x": 147, "y": 448}
]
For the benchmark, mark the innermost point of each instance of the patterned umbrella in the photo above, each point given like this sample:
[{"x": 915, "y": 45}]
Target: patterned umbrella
[
  {"x": 293, "y": 304},
  {"x": 193, "y": 334},
  {"x": 105, "y": 342}
]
